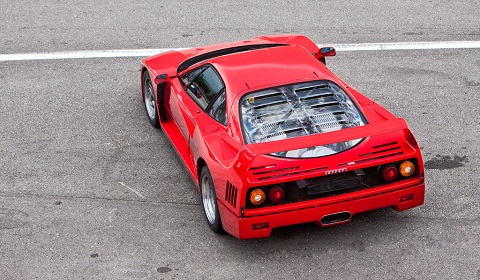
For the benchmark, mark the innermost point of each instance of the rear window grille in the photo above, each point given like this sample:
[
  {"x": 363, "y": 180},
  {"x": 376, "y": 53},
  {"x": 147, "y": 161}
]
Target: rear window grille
[{"x": 297, "y": 110}]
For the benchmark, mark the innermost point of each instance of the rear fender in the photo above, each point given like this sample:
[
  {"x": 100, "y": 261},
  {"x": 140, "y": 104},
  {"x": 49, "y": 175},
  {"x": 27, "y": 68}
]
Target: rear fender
[
  {"x": 164, "y": 63},
  {"x": 299, "y": 40}
]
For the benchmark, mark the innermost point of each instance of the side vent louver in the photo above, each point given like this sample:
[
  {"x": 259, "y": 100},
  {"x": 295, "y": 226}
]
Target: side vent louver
[
  {"x": 231, "y": 194},
  {"x": 160, "y": 99}
]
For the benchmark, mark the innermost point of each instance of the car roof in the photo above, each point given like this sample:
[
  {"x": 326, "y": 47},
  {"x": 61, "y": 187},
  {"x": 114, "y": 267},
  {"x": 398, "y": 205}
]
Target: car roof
[{"x": 261, "y": 68}]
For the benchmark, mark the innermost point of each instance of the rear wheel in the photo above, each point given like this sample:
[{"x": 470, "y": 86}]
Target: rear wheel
[
  {"x": 209, "y": 201},
  {"x": 149, "y": 99}
]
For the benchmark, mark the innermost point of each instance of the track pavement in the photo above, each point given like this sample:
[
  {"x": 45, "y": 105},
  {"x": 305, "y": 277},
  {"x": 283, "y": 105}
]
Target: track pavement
[{"x": 89, "y": 190}]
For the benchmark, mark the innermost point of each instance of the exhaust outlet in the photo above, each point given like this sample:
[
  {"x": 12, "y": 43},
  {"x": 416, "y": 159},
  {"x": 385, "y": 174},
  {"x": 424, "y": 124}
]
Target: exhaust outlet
[{"x": 336, "y": 218}]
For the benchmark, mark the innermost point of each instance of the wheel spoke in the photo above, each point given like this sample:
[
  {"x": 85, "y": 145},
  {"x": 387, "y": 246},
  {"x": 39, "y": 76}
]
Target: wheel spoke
[
  {"x": 149, "y": 100},
  {"x": 208, "y": 200}
]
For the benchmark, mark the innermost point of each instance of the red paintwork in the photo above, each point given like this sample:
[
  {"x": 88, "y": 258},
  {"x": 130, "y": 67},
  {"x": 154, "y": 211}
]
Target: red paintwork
[{"x": 198, "y": 139}]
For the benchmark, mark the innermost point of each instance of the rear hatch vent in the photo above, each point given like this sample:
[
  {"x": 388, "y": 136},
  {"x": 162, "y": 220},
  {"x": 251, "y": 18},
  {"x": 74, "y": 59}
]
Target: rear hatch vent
[
  {"x": 382, "y": 151},
  {"x": 297, "y": 110},
  {"x": 273, "y": 172}
]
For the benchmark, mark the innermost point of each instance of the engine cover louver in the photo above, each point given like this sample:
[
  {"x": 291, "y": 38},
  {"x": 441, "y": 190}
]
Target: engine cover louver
[{"x": 297, "y": 110}]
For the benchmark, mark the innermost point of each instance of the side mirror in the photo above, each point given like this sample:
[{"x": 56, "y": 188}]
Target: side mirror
[
  {"x": 160, "y": 79},
  {"x": 323, "y": 52},
  {"x": 194, "y": 90},
  {"x": 328, "y": 51}
]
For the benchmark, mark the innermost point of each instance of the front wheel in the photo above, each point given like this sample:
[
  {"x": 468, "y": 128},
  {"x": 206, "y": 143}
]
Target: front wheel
[
  {"x": 209, "y": 201},
  {"x": 149, "y": 99}
]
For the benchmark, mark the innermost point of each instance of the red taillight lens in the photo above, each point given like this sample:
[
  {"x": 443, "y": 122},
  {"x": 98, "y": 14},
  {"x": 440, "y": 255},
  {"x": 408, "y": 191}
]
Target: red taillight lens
[
  {"x": 389, "y": 173},
  {"x": 276, "y": 194}
]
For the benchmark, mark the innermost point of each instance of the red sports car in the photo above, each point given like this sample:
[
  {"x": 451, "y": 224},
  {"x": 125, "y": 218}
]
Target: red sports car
[{"x": 271, "y": 137}]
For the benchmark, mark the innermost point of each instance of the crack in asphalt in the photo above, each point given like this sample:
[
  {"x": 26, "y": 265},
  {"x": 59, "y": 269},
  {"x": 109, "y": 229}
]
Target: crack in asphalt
[
  {"x": 57, "y": 197},
  {"x": 361, "y": 217}
]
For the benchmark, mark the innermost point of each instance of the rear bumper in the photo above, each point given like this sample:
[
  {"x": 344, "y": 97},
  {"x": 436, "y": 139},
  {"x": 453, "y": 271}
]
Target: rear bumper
[{"x": 243, "y": 227}]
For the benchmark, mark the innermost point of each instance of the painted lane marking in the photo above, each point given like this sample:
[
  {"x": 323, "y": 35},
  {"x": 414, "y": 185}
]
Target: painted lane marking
[
  {"x": 149, "y": 52},
  {"x": 409, "y": 46},
  {"x": 83, "y": 54},
  {"x": 134, "y": 191}
]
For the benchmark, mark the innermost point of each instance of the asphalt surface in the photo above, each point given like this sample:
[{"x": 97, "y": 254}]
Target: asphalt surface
[{"x": 89, "y": 190}]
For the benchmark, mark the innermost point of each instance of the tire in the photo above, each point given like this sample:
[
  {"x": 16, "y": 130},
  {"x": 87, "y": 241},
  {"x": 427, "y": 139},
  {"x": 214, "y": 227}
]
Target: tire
[
  {"x": 209, "y": 201},
  {"x": 148, "y": 93}
]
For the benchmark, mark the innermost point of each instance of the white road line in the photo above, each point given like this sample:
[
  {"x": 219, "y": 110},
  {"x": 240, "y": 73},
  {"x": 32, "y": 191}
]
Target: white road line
[
  {"x": 149, "y": 52},
  {"x": 136, "y": 192},
  {"x": 409, "y": 46},
  {"x": 82, "y": 54}
]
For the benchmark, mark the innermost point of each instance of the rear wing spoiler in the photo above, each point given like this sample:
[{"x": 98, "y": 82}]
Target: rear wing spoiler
[{"x": 327, "y": 138}]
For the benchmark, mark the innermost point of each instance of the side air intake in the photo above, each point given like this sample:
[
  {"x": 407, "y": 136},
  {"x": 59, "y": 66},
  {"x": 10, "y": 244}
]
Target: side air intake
[{"x": 231, "y": 194}]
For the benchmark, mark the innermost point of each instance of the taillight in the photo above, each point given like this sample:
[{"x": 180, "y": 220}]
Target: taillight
[
  {"x": 267, "y": 195},
  {"x": 257, "y": 196},
  {"x": 392, "y": 171},
  {"x": 407, "y": 168},
  {"x": 276, "y": 194},
  {"x": 389, "y": 173}
]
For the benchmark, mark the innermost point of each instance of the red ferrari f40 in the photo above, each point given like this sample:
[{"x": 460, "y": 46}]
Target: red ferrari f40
[{"x": 271, "y": 137}]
